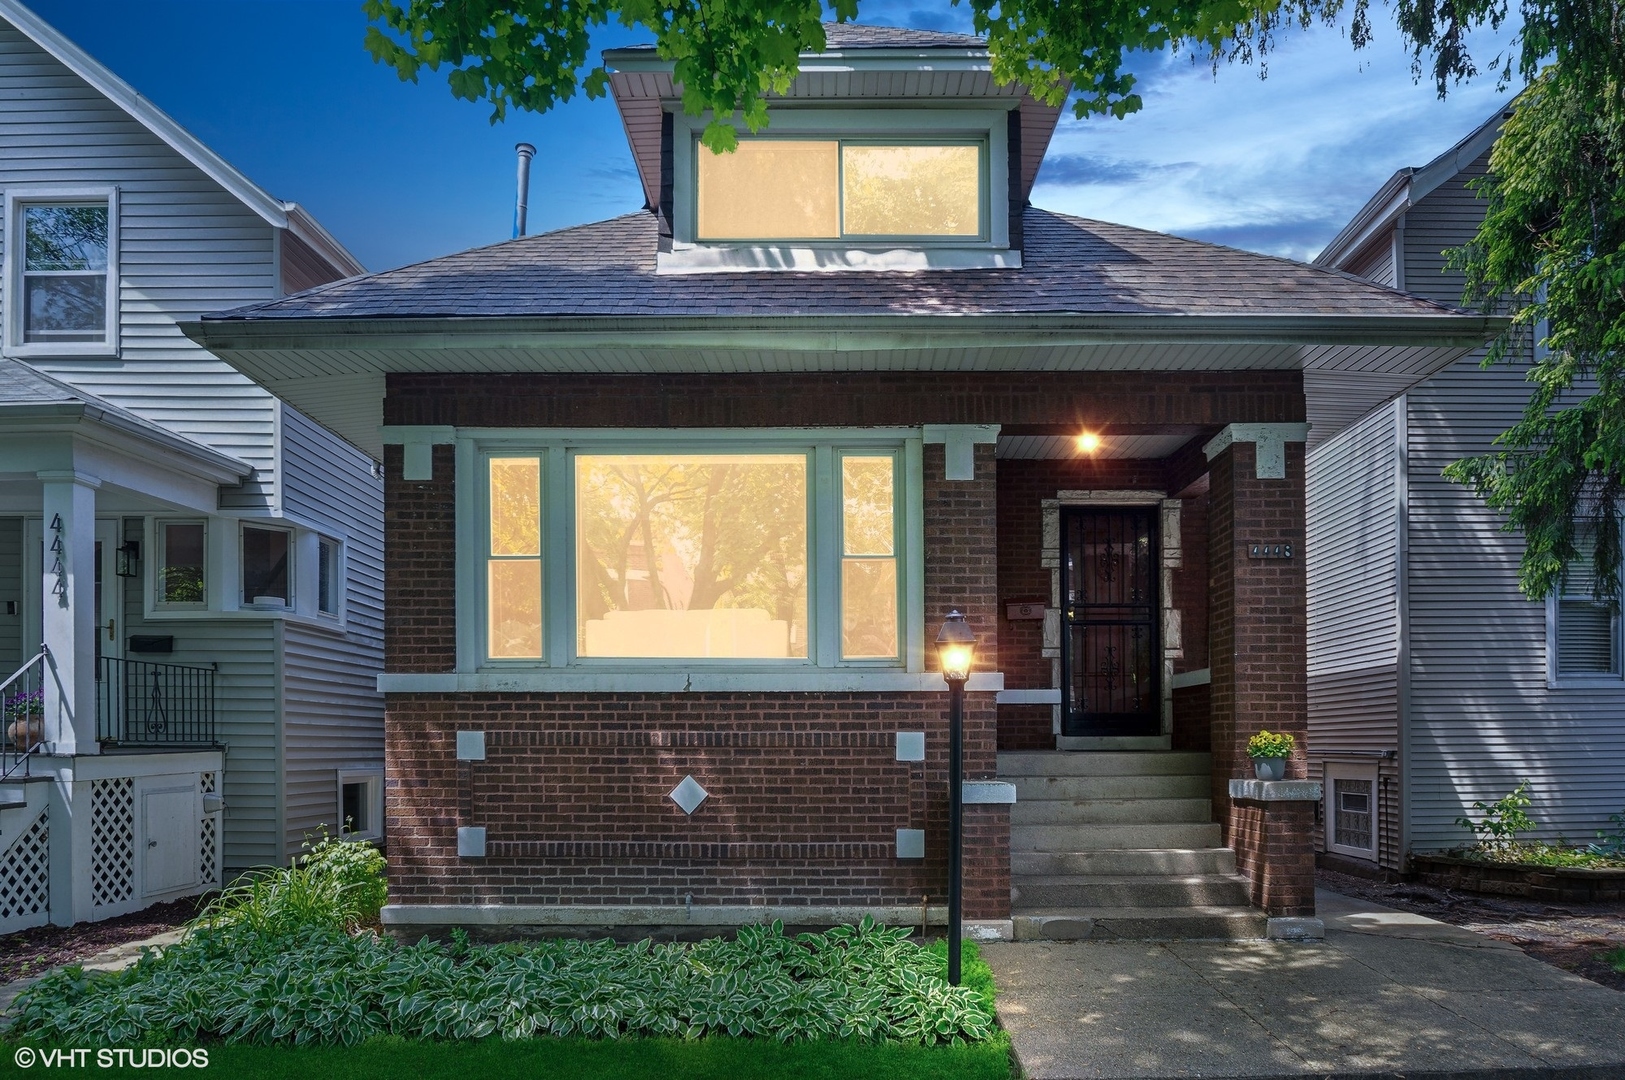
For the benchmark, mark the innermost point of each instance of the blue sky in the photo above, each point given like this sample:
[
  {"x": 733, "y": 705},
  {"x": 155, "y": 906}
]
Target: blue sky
[{"x": 400, "y": 172}]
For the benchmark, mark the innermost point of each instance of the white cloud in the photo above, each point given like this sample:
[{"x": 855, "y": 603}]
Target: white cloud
[{"x": 1275, "y": 165}]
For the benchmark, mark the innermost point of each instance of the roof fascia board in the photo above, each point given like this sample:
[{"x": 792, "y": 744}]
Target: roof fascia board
[
  {"x": 144, "y": 112},
  {"x": 841, "y": 333},
  {"x": 1457, "y": 158},
  {"x": 118, "y": 434},
  {"x": 1379, "y": 213}
]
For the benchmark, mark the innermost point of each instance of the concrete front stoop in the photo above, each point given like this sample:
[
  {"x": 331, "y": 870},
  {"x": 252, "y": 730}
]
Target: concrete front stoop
[{"x": 1121, "y": 845}]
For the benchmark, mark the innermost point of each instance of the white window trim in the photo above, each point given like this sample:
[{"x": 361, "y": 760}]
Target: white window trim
[
  {"x": 23, "y": 195},
  {"x": 559, "y": 661},
  {"x": 156, "y": 543},
  {"x": 1335, "y": 770},
  {"x": 1557, "y": 679},
  {"x": 339, "y": 577},
  {"x": 989, "y": 127},
  {"x": 373, "y": 777}
]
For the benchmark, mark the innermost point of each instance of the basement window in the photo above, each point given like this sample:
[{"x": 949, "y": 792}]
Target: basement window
[
  {"x": 361, "y": 804},
  {"x": 1351, "y": 810}
]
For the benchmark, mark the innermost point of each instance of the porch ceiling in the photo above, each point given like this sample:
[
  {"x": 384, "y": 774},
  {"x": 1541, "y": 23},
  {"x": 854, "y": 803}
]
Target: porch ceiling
[{"x": 1065, "y": 447}]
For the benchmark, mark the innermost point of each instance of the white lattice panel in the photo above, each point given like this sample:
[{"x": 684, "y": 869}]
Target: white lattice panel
[
  {"x": 209, "y": 853},
  {"x": 112, "y": 842},
  {"x": 25, "y": 878},
  {"x": 207, "y": 782}
]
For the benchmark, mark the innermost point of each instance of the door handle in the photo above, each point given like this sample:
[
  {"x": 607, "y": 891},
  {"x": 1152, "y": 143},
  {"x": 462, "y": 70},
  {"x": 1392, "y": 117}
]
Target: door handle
[
  {"x": 110, "y": 635},
  {"x": 152, "y": 843}
]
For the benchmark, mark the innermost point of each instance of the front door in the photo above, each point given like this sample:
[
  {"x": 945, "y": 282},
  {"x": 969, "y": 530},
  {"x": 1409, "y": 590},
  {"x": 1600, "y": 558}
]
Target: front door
[{"x": 1111, "y": 658}]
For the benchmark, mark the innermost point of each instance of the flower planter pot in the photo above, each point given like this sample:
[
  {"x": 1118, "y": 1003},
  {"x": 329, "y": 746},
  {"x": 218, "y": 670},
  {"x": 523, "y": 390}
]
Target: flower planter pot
[
  {"x": 26, "y": 732},
  {"x": 1269, "y": 768}
]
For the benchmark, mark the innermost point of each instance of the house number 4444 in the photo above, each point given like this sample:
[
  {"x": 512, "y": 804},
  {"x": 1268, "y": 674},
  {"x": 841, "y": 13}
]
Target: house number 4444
[{"x": 1270, "y": 551}]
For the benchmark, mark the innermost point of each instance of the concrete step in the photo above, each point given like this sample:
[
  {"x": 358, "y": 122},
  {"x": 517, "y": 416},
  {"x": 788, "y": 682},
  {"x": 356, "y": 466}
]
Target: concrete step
[
  {"x": 1103, "y": 837},
  {"x": 1111, "y": 812},
  {"x": 1125, "y": 863},
  {"x": 1035, "y": 788},
  {"x": 1081, "y": 890},
  {"x": 1105, "y": 924},
  {"x": 1013, "y": 763}
]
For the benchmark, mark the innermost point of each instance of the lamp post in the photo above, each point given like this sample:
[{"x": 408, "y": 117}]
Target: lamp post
[{"x": 956, "y": 645}]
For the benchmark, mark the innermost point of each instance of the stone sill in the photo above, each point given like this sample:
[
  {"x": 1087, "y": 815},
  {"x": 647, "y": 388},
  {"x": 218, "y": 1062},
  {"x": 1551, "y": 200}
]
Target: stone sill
[
  {"x": 1275, "y": 790},
  {"x": 988, "y": 793}
]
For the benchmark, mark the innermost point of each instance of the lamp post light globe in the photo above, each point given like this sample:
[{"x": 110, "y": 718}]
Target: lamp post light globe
[{"x": 956, "y": 645}]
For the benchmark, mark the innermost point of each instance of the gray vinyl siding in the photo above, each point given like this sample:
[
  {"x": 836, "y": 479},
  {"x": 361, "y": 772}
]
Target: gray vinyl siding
[
  {"x": 1482, "y": 714},
  {"x": 1353, "y": 557},
  {"x": 247, "y": 708},
  {"x": 1375, "y": 262},
  {"x": 11, "y": 589},
  {"x": 185, "y": 245},
  {"x": 334, "y": 716}
]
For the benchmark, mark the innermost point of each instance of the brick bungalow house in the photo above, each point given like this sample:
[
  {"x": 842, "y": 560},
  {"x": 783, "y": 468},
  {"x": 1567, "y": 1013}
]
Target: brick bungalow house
[{"x": 677, "y": 501}]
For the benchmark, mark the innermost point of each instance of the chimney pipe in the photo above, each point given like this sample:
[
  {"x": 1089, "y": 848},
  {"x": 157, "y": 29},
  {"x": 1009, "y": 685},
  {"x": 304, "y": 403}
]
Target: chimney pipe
[{"x": 526, "y": 152}]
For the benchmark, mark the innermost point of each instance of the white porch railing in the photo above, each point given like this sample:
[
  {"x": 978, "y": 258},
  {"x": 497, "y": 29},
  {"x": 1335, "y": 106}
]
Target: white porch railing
[{"x": 22, "y": 712}]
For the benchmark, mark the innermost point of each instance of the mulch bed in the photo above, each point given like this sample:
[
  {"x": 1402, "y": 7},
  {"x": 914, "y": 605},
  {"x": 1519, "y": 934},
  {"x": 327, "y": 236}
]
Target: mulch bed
[
  {"x": 32, "y": 952},
  {"x": 1569, "y": 936}
]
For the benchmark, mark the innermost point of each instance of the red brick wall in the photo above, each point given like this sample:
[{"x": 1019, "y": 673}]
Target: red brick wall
[
  {"x": 1257, "y": 648},
  {"x": 1061, "y": 400},
  {"x": 1274, "y": 843},
  {"x": 806, "y": 793}
]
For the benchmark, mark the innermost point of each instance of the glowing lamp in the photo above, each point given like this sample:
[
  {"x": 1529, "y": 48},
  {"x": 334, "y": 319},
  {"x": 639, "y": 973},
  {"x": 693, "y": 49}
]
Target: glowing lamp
[
  {"x": 956, "y": 645},
  {"x": 1088, "y": 442}
]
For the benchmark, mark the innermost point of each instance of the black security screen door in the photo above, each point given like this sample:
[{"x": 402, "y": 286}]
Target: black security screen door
[{"x": 1111, "y": 659}]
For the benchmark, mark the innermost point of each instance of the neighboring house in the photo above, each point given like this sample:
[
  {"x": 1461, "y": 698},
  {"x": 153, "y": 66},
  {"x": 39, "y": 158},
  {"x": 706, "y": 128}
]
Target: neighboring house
[
  {"x": 1434, "y": 682},
  {"x": 202, "y": 563},
  {"x": 676, "y": 502}
]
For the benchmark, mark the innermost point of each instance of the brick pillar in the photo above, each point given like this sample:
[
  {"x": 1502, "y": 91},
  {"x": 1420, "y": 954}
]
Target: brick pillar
[
  {"x": 1258, "y": 626},
  {"x": 961, "y": 571}
]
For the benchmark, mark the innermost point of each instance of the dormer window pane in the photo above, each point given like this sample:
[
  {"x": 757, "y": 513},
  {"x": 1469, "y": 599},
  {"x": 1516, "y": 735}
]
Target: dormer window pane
[
  {"x": 912, "y": 190},
  {"x": 770, "y": 189}
]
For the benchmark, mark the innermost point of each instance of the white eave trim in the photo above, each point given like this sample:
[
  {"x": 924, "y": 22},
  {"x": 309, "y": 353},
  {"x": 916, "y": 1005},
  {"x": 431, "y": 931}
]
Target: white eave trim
[
  {"x": 274, "y": 211},
  {"x": 1377, "y": 215}
]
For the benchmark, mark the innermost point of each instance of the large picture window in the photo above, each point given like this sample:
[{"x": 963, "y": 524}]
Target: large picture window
[
  {"x": 812, "y": 189},
  {"x": 706, "y": 555}
]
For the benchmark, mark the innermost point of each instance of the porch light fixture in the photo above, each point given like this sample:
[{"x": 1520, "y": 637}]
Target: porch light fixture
[
  {"x": 127, "y": 559},
  {"x": 1088, "y": 442},
  {"x": 956, "y": 645}
]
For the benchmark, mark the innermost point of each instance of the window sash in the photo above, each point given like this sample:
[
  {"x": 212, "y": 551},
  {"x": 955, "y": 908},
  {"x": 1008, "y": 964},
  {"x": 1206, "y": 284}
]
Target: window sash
[
  {"x": 1587, "y": 633},
  {"x": 162, "y": 566},
  {"x": 559, "y": 584},
  {"x": 841, "y": 232}
]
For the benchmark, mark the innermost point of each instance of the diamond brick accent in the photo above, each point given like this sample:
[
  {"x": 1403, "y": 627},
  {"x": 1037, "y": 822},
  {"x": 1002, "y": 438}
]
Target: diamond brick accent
[{"x": 688, "y": 795}]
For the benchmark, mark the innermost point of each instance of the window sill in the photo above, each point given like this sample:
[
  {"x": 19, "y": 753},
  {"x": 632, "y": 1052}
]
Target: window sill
[
  {"x": 732, "y": 258},
  {"x": 336, "y": 627},
  {"x": 679, "y": 682},
  {"x": 1585, "y": 682},
  {"x": 96, "y": 350}
]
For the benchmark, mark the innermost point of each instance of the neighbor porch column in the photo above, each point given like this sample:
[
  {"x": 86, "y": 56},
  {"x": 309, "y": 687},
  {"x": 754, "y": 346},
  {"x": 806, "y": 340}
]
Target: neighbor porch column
[
  {"x": 1258, "y": 652},
  {"x": 68, "y": 584}
]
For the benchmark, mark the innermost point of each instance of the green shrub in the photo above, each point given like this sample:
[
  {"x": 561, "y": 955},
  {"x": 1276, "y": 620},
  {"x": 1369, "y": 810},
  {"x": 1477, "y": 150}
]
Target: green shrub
[
  {"x": 1269, "y": 744},
  {"x": 336, "y": 883},
  {"x": 1538, "y": 854},
  {"x": 1503, "y": 819},
  {"x": 235, "y": 980},
  {"x": 1611, "y": 842},
  {"x": 1615, "y": 959}
]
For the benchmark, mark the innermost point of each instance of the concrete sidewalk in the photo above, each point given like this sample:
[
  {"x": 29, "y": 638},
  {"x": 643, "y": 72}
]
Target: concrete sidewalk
[{"x": 1387, "y": 994}]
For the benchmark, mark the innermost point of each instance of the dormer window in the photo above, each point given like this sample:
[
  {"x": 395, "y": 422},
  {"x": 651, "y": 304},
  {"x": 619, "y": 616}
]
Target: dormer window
[{"x": 834, "y": 189}]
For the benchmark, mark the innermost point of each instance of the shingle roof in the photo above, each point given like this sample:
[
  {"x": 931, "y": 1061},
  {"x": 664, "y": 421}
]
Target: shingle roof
[
  {"x": 1070, "y": 266},
  {"x": 864, "y": 36}
]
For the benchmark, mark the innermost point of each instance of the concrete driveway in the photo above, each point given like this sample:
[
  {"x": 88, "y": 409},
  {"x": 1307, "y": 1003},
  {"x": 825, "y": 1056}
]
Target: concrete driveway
[{"x": 1387, "y": 994}]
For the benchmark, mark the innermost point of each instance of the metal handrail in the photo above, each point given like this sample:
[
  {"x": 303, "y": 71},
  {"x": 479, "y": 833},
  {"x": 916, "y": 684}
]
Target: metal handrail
[{"x": 27, "y": 682}]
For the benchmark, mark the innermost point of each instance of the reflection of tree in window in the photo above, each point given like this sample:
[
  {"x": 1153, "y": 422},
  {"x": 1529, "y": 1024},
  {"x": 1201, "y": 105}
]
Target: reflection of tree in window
[
  {"x": 690, "y": 534},
  {"x": 183, "y": 564},
  {"x": 868, "y": 558},
  {"x": 65, "y": 273},
  {"x": 911, "y": 190}
]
